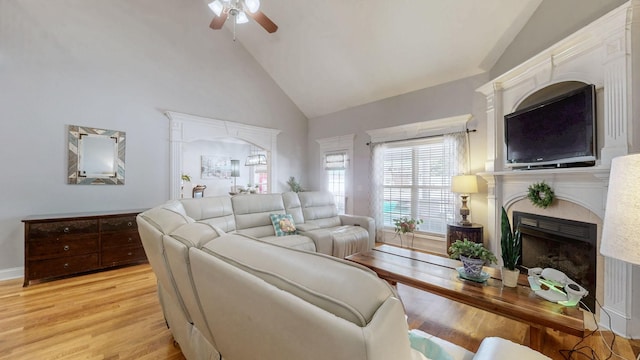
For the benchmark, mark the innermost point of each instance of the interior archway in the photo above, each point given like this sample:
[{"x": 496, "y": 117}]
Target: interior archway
[
  {"x": 209, "y": 163},
  {"x": 215, "y": 138}
]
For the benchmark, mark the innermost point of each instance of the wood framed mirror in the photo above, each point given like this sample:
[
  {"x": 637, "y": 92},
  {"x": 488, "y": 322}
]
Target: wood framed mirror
[{"x": 95, "y": 156}]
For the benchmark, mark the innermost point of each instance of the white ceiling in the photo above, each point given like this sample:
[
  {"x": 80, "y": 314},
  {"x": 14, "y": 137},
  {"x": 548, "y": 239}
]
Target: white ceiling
[{"x": 330, "y": 55}]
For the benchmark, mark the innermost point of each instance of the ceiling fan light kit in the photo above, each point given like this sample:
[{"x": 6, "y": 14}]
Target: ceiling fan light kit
[
  {"x": 216, "y": 7},
  {"x": 240, "y": 11}
]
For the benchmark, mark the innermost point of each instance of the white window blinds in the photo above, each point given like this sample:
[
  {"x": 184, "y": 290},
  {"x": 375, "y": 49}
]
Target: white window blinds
[
  {"x": 416, "y": 178},
  {"x": 335, "y": 165}
]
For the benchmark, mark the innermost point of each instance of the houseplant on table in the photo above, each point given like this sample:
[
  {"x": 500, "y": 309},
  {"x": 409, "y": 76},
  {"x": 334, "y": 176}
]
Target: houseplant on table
[
  {"x": 405, "y": 225},
  {"x": 473, "y": 256},
  {"x": 511, "y": 244}
]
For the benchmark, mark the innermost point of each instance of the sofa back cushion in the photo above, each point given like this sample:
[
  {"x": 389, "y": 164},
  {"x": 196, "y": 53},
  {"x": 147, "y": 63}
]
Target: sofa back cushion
[
  {"x": 213, "y": 210},
  {"x": 292, "y": 206},
  {"x": 319, "y": 208},
  {"x": 167, "y": 217},
  {"x": 338, "y": 286},
  {"x": 269, "y": 302},
  {"x": 253, "y": 213}
]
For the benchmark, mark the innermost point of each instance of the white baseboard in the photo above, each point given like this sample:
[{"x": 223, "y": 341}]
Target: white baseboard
[{"x": 11, "y": 273}]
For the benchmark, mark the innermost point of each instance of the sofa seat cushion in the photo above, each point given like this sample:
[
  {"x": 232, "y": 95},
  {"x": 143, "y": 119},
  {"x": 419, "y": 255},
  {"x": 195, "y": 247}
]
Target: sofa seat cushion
[
  {"x": 338, "y": 241},
  {"x": 342, "y": 288},
  {"x": 299, "y": 242}
]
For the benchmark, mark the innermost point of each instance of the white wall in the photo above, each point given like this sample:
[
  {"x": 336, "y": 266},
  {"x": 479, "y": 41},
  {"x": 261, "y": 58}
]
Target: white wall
[{"x": 118, "y": 64}]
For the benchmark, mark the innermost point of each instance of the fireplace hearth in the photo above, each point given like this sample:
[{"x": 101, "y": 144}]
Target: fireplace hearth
[{"x": 565, "y": 245}]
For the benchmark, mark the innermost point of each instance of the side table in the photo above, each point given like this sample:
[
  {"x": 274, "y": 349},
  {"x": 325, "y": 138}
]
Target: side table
[{"x": 472, "y": 232}]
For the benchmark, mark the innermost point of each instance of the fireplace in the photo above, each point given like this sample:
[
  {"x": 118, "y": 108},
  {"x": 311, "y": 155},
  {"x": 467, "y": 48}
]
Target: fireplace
[{"x": 565, "y": 245}]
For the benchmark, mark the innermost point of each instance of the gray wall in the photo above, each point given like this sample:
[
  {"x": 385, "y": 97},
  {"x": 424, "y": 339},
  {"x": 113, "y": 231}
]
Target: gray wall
[
  {"x": 118, "y": 64},
  {"x": 551, "y": 22}
]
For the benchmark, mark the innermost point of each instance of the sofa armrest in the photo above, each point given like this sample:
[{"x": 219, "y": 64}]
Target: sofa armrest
[
  {"x": 322, "y": 238},
  {"x": 433, "y": 347},
  {"x": 306, "y": 227},
  {"x": 365, "y": 221},
  {"x": 495, "y": 348}
]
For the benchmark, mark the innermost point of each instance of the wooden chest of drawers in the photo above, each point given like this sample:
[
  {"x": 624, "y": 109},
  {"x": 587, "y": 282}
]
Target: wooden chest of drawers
[{"x": 69, "y": 244}]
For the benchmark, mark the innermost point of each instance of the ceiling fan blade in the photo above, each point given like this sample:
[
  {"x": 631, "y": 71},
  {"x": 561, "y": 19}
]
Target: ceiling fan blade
[
  {"x": 218, "y": 21},
  {"x": 264, "y": 21}
]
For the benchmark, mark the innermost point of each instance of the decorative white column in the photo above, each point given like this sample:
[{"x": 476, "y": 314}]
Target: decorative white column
[{"x": 175, "y": 159}]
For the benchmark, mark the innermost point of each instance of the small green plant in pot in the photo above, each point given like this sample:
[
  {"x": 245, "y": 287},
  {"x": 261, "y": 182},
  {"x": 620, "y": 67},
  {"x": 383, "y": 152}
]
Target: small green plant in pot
[
  {"x": 511, "y": 246},
  {"x": 473, "y": 256}
]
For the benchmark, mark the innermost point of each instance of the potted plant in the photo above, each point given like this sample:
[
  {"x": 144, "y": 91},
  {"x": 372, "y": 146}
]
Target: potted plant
[
  {"x": 511, "y": 244},
  {"x": 183, "y": 178},
  {"x": 406, "y": 225},
  {"x": 294, "y": 185},
  {"x": 473, "y": 256}
]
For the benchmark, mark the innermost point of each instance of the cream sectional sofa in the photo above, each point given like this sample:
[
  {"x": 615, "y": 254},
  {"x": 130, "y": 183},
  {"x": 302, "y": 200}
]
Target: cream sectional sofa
[
  {"x": 315, "y": 215},
  {"x": 231, "y": 295}
]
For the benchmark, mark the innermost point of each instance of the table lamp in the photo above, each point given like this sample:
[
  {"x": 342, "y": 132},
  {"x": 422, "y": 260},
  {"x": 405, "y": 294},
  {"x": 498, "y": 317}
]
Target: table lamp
[
  {"x": 235, "y": 172},
  {"x": 464, "y": 185},
  {"x": 621, "y": 228}
]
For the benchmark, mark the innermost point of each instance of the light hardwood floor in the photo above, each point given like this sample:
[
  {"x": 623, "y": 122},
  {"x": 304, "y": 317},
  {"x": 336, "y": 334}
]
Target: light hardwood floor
[{"x": 116, "y": 315}]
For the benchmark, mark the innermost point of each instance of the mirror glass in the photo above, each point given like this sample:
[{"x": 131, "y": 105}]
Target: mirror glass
[{"x": 96, "y": 156}]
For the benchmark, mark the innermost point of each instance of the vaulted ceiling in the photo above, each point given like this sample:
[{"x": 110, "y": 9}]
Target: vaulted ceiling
[{"x": 330, "y": 55}]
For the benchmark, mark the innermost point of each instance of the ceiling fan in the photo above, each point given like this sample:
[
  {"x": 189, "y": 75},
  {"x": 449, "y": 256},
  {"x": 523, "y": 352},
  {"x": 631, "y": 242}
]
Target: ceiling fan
[{"x": 239, "y": 9}]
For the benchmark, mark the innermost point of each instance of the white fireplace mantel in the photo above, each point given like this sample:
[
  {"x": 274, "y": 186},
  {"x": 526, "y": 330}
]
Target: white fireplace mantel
[{"x": 600, "y": 54}]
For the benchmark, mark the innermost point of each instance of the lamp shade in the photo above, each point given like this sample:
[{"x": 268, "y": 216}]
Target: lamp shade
[
  {"x": 621, "y": 228},
  {"x": 464, "y": 184},
  {"x": 235, "y": 168}
]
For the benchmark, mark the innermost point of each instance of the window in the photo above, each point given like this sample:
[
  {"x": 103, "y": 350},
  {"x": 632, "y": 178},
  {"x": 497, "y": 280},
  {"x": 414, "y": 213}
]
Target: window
[
  {"x": 335, "y": 166},
  {"x": 416, "y": 180},
  {"x": 336, "y": 170}
]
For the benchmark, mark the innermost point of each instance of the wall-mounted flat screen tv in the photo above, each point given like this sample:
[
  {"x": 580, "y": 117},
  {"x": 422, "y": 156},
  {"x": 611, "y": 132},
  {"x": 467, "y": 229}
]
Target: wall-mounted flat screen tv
[{"x": 559, "y": 132}]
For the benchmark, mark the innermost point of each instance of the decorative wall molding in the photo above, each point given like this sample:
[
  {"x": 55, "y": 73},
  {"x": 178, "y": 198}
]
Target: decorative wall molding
[
  {"x": 12, "y": 273},
  {"x": 420, "y": 129}
]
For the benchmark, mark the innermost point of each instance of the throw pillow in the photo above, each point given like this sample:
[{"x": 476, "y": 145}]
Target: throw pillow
[{"x": 283, "y": 224}]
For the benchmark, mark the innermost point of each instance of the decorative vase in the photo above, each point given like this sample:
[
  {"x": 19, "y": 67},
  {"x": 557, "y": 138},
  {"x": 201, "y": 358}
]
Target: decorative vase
[
  {"x": 510, "y": 277},
  {"x": 473, "y": 267}
]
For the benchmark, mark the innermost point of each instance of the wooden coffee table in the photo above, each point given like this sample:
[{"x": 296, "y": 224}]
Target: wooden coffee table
[{"x": 438, "y": 275}]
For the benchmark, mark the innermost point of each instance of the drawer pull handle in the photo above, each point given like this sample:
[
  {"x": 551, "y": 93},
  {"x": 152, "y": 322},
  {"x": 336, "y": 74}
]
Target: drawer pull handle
[
  {"x": 66, "y": 265},
  {"x": 129, "y": 253},
  {"x": 66, "y": 230},
  {"x": 66, "y": 248},
  {"x": 130, "y": 240},
  {"x": 129, "y": 223}
]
